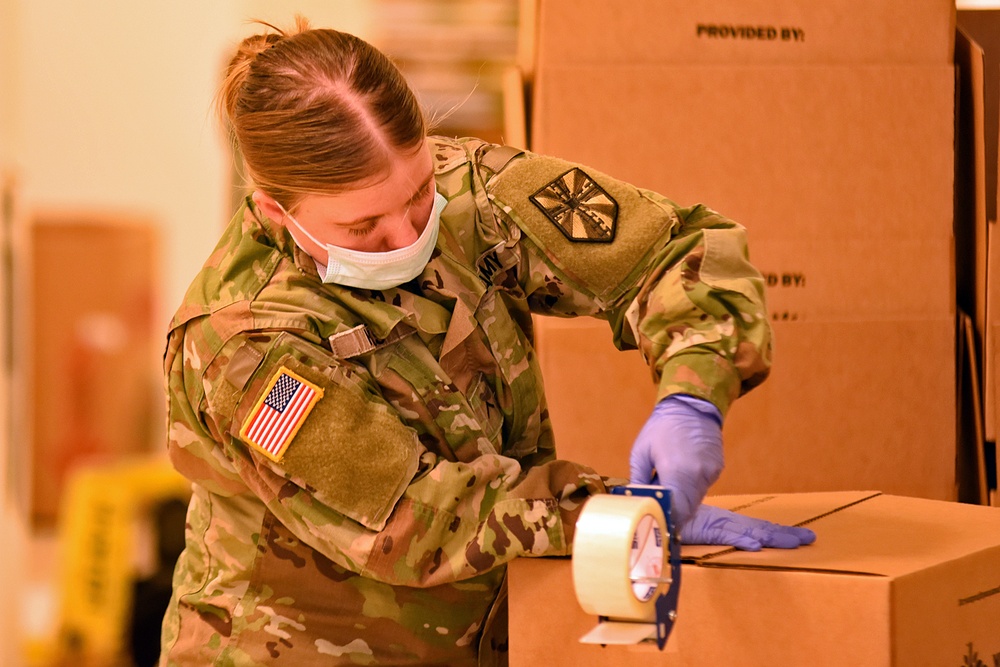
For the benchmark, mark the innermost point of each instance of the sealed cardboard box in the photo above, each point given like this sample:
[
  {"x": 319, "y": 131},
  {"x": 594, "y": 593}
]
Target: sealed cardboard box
[{"x": 891, "y": 581}]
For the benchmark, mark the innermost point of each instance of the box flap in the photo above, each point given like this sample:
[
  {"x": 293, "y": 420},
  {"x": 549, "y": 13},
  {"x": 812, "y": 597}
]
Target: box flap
[
  {"x": 861, "y": 533},
  {"x": 791, "y": 509}
]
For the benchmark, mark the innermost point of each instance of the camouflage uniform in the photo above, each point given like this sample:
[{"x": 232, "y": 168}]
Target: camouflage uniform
[{"x": 423, "y": 460}]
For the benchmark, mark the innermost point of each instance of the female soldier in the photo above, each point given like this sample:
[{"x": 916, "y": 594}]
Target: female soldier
[{"x": 352, "y": 385}]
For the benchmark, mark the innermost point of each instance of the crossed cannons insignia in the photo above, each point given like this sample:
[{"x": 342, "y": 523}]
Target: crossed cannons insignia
[{"x": 579, "y": 207}]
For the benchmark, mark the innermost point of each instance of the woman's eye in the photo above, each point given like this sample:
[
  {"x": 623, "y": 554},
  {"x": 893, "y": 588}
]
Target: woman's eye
[
  {"x": 363, "y": 231},
  {"x": 424, "y": 191}
]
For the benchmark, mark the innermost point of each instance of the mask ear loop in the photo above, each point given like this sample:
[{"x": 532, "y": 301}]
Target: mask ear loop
[{"x": 298, "y": 225}]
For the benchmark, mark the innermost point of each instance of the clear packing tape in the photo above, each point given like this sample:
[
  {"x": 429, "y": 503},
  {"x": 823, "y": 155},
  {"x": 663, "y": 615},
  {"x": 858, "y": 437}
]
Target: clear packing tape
[{"x": 626, "y": 565}]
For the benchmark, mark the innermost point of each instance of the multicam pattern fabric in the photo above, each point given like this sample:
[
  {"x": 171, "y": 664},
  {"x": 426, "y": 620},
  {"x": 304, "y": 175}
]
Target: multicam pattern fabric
[{"x": 381, "y": 534}]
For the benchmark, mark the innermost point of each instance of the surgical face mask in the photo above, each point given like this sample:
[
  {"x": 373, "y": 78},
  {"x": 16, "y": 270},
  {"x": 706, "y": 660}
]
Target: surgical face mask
[{"x": 380, "y": 270}]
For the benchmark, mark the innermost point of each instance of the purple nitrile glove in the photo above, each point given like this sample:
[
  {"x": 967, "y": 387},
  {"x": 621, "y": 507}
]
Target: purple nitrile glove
[
  {"x": 713, "y": 525},
  {"x": 680, "y": 448}
]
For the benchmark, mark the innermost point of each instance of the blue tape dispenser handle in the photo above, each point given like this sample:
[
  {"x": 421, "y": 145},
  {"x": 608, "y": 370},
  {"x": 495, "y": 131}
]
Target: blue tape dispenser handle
[{"x": 666, "y": 603}]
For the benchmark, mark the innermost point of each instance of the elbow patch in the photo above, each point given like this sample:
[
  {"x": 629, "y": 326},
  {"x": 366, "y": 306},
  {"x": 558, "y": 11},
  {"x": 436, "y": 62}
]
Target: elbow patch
[
  {"x": 593, "y": 228},
  {"x": 315, "y": 424}
]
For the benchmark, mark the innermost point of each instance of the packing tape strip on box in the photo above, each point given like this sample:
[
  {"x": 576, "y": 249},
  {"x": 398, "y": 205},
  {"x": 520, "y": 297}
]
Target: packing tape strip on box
[{"x": 626, "y": 565}]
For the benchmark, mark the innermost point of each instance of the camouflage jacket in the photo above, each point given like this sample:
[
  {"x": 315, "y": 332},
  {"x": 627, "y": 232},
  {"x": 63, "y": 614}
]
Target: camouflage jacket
[{"x": 365, "y": 463}]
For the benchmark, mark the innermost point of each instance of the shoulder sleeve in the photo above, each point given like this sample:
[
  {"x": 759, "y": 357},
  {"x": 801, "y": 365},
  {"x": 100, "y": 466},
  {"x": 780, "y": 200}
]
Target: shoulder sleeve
[
  {"x": 592, "y": 232},
  {"x": 674, "y": 282},
  {"x": 292, "y": 407}
]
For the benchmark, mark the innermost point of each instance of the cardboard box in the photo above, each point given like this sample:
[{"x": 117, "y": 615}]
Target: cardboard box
[
  {"x": 890, "y": 582},
  {"x": 840, "y": 410},
  {"x": 828, "y": 190},
  {"x": 807, "y": 153},
  {"x": 917, "y": 32},
  {"x": 814, "y": 147}
]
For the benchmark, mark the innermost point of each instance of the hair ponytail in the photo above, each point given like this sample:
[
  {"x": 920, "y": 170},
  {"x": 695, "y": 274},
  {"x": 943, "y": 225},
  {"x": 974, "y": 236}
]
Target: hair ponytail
[{"x": 237, "y": 71}]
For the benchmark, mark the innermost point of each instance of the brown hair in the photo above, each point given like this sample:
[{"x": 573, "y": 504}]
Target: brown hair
[{"x": 315, "y": 111}]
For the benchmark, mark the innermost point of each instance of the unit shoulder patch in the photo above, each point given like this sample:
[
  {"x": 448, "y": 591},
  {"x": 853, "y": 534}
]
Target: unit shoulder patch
[
  {"x": 578, "y": 207},
  {"x": 283, "y": 407}
]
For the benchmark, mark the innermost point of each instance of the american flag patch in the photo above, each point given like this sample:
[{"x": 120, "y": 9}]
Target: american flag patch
[{"x": 276, "y": 418}]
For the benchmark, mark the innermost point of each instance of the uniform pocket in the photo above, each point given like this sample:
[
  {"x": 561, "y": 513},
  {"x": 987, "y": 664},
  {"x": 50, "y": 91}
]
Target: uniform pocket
[
  {"x": 483, "y": 402},
  {"x": 346, "y": 447}
]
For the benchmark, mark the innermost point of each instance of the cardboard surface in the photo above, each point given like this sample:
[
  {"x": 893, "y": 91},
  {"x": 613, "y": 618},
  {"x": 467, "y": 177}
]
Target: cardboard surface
[
  {"x": 890, "y": 582},
  {"x": 803, "y": 153},
  {"x": 744, "y": 31},
  {"x": 823, "y": 280},
  {"x": 848, "y": 405}
]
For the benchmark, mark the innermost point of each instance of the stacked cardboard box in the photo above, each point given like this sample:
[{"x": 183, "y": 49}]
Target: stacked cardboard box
[{"x": 827, "y": 129}]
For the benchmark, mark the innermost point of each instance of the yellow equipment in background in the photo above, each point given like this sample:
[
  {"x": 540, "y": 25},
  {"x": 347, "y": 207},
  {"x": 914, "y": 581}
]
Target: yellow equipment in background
[{"x": 105, "y": 533}]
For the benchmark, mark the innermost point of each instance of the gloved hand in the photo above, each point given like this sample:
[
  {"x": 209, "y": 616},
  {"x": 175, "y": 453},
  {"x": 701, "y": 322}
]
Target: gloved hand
[
  {"x": 713, "y": 525},
  {"x": 680, "y": 447}
]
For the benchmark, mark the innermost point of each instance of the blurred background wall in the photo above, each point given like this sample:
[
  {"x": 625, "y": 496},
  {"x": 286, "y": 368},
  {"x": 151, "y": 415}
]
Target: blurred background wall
[{"x": 115, "y": 181}]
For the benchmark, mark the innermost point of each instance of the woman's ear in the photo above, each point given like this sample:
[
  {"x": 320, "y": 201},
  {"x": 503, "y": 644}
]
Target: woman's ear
[{"x": 269, "y": 207}]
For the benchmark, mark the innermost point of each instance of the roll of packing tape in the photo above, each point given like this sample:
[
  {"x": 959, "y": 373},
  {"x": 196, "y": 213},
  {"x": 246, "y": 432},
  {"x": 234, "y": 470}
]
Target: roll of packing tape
[{"x": 619, "y": 556}]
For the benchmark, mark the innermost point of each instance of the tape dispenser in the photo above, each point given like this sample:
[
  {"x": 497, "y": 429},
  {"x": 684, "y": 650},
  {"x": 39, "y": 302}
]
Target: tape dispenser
[{"x": 627, "y": 565}]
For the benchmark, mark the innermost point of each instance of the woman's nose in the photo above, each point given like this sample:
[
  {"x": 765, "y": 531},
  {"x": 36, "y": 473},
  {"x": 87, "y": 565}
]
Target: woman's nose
[{"x": 404, "y": 232}]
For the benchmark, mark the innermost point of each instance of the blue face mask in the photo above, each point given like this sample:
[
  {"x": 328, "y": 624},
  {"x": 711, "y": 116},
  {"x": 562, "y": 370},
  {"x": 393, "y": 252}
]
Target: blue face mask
[{"x": 380, "y": 270}]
